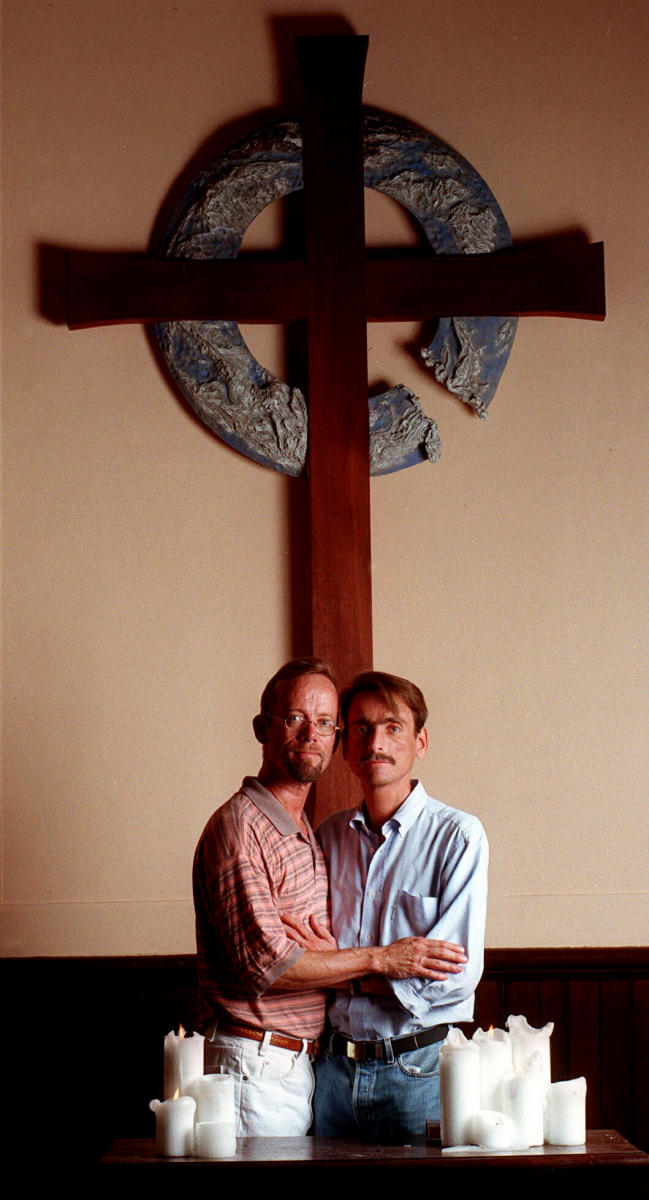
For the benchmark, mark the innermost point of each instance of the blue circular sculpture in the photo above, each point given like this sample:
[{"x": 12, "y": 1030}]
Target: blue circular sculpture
[{"x": 247, "y": 406}]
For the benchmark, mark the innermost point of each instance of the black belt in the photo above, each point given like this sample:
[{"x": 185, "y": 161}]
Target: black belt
[{"x": 368, "y": 1051}]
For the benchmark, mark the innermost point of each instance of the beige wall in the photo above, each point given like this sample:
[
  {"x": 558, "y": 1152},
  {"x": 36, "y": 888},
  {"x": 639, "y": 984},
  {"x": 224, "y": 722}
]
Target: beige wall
[{"x": 146, "y": 565}]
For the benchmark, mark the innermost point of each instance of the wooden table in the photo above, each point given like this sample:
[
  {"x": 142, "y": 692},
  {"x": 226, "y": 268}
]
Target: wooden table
[{"x": 604, "y": 1149}]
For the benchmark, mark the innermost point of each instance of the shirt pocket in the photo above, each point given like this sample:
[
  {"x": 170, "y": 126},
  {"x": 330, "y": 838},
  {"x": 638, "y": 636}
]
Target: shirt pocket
[{"x": 413, "y": 916}]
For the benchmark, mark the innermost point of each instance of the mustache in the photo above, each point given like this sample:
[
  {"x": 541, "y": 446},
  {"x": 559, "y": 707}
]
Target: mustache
[{"x": 377, "y": 758}]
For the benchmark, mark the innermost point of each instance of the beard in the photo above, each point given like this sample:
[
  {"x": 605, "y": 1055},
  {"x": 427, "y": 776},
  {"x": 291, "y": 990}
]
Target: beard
[{"x": 304, "y": 772}]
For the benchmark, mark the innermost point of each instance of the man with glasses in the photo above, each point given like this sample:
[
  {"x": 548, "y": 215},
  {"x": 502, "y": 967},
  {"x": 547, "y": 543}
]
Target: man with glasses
[
  {"x": 257, "y": 865},
  {"x": 401, "y": 865}
]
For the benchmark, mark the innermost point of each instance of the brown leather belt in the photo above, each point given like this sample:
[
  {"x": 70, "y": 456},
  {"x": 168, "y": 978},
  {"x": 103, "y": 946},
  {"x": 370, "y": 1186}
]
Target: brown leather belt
[
  {"x": 370, "y": 1051},
  {"x": 283, "y": 1040}
]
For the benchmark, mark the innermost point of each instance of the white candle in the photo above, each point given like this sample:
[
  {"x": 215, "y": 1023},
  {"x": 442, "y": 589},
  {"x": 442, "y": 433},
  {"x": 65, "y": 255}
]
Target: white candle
[
  {"x": 459, "y": 1086},
  {"x": 491, "y": 1130},
  {"x": 174, "y": 1126},
  {"x": 183, "y": 1061},
  {"x": 526, "y": 1041},
  {"x": 215, "y": 1139},
  {"x": 565, "y": 1113},
  {"x": 523, "y": 1094},
  {"x": 495, "y": 1060},
  {"x": 214, "y": 1096}
]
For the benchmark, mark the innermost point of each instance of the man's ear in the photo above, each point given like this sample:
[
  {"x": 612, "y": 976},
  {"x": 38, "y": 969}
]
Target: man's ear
[{"x": 260, "y": 728}]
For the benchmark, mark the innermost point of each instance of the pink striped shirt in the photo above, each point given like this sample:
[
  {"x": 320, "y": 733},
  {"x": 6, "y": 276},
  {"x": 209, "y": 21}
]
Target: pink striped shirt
[{"x": 251, "y": 863}]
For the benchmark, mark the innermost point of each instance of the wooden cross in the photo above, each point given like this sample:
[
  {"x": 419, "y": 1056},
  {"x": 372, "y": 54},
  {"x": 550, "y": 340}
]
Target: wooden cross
[{"x": 337, "y": 290}]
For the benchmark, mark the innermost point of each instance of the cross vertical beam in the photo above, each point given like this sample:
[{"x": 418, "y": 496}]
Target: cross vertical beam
[{"x": 338, "y": 466}]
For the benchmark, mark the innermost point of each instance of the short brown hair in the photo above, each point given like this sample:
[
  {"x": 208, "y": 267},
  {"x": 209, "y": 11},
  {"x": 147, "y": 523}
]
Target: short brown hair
[
  {"x": 390, "y": 687},
  {"x": 292, "y": 670}
]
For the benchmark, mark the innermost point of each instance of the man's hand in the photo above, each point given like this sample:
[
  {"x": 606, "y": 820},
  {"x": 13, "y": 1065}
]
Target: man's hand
[
  {"x": 324, "y": 966},
  {"x": 310, "y": 935},
  {"x": 423, "y": 957}
]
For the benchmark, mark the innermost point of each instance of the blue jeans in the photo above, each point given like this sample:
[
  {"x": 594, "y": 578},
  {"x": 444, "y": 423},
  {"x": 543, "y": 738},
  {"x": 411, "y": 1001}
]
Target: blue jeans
[{"x": 391, "y": 1098}]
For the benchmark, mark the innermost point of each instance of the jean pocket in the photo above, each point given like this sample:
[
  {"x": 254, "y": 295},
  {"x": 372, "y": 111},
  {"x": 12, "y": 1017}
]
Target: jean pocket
[
  {"x": 277, "y": 1066},
  {"x": 420, "y": 1064}
]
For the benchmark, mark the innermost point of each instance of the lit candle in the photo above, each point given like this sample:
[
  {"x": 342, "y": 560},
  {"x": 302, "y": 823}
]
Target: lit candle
[
  {"x": 523, "y": 1094},
  {"x": 495, "y": 1059},
  {"x": 174, "y": 1126},
  {"x": 459, "y": 1086},
  {"x": 491, "y": 1130},
  {"x": 183, "y": 1061},
  {"x": 526, "y": 1041},
  {"x": 565, "y": 1113}
]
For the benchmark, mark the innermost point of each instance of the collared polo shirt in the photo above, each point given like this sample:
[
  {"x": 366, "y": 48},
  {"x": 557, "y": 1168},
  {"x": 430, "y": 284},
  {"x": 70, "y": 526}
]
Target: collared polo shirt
[{"x": 251, "y": 863}]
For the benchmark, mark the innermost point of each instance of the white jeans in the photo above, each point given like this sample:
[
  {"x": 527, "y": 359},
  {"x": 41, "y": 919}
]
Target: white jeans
[{"x": 273, "y": 1088}]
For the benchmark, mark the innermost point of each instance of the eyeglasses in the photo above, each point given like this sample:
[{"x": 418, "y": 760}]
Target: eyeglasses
[{"x": 295, "y": 722}]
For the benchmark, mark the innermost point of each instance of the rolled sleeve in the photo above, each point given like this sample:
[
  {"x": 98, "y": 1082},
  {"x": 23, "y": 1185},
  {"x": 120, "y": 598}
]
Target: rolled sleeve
[
  {"x": 461, "y": 910},
  {"x": 246, "y": 914}
]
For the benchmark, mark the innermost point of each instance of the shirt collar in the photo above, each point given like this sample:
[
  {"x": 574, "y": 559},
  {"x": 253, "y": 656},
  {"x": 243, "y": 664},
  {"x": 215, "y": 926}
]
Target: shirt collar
[
  {"x": 402, "y": 819},
  {"x": 271, "y": 808}
]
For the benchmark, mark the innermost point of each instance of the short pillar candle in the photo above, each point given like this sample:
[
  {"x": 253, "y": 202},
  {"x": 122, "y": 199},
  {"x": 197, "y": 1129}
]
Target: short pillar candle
[
  {"x": 565, "y": 1113},
  {"x": 174, "y": 1126}
]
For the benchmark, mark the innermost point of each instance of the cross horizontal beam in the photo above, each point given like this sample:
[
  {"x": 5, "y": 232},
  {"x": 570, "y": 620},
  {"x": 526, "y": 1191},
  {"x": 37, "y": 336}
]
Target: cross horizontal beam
[{"x": 105, "y": 288}]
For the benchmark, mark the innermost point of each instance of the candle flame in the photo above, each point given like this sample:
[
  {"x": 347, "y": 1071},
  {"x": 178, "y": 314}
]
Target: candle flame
[
  {"x": 176, "y": 1094},
  {"x": 181, "y": 1031},
  {"x": 490, "y": 1031}
]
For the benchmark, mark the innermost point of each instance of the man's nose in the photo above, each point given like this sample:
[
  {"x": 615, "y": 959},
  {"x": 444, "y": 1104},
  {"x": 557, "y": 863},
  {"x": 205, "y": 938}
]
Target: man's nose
[
  {"x": 305, "y": 731},
  {"x": 374, "y": 739}
]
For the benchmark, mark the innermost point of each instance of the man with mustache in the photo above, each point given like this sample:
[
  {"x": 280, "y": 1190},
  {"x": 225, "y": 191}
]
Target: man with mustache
[
  {"x": 262, "y": 996},
  {"x": 402, "y": 864}
]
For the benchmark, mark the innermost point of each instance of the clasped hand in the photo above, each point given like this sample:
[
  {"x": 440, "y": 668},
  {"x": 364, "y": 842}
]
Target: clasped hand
[{"x": 407, "y": 958}]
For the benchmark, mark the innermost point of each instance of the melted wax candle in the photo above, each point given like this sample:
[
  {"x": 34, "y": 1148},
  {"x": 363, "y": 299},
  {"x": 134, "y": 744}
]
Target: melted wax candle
[
  {"x": 174, "y": 1126},
  {"x": 495, "y": 1060},
  {"x": 459, "y": 1087},
  {"x": 215, "y": 1139},
  {"x": 491, "y": 1130},
  {"x": 565, "y": 1113},
  {"x": 523, "y": 1094},
  {"x": 183, "y": 1061},
  {"x": 526, "y": 1041}
]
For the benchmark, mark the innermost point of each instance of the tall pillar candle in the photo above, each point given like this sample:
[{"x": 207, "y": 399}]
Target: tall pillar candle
[
  {"x": 459, "y": 1087},
  {"x": 526, "y": 1041},
  {"x": 565, "y": 1113},
  {"x": 495, "y": 1060},
  {"x": 183, "y": 1061},
  {"x": 523, "y": 1094},
  {"x": 174, "y": 1126}
]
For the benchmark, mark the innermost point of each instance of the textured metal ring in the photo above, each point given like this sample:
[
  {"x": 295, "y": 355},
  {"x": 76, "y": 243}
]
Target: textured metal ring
[{"x": 253, "y": 410}]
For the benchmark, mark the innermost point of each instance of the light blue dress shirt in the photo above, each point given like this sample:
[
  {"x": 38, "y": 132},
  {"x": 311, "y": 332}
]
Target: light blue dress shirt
[{"x": 425, "y": 876}]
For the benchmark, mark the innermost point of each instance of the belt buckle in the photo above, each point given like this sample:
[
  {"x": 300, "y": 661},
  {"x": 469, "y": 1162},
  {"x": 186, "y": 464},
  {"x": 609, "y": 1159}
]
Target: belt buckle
[{"x": 350, "y": 1049}]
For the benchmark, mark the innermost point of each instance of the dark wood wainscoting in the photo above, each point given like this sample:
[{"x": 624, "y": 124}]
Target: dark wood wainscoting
[{"x": 87, "y": 1033}]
